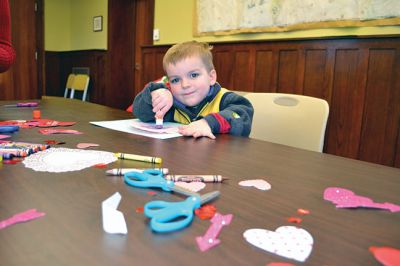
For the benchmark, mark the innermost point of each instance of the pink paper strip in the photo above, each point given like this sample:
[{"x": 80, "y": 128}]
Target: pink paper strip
[
  {"x": 21, "y": 217},
  {"x": 344, "y": 198},
  {"x": 210, "y": 240}
]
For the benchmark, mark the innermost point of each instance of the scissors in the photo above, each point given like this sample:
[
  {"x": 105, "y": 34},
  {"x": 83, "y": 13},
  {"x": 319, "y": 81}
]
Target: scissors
[
  {"x": 8, "y": 129},
  {"x": 153, "y": 178},
  {"x": 163, "y": 214}
]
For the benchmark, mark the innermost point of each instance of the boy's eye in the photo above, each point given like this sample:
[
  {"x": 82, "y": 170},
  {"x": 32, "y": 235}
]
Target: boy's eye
[
  {"x": 174, "y": 80},
  {"x": 194, "y": 75}
]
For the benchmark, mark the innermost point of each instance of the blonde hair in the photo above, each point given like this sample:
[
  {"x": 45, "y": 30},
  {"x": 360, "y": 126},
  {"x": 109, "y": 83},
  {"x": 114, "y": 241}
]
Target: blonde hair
[{"x": 184, "y": 50}]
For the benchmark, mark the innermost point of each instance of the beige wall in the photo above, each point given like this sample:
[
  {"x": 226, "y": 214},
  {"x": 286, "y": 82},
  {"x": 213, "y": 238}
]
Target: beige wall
[
  {"x": 174, "y": 19},
  {"x": 69, "y": 25}
]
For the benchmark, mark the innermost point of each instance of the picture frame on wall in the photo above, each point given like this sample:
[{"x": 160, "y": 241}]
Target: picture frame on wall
[{"x": 98, "y": 23}]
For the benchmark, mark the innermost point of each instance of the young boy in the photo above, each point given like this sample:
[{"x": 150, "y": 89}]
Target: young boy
[{"x": 190, "y": 95}]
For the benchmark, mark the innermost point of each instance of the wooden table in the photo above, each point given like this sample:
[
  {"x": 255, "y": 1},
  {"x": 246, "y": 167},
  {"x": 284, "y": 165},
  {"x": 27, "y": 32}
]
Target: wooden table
[{"x": 71, "y": 233}]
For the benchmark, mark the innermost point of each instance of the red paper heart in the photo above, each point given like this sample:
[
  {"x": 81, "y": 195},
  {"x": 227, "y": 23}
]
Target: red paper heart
[{"x": 388, "y": 256}]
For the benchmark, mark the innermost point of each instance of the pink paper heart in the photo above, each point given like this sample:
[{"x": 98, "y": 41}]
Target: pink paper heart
[
  {"x": 86, "y": 145},
  {"x": 192, "y": 186},
  {"x": 287, "y": 241},
  {"x": 257, "y": 183}
]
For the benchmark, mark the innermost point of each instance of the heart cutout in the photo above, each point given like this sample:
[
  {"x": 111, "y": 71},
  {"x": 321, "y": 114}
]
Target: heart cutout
[
  {"x": 86, "y": 145},
  {"x": 287, "y": 241},
  {"x": 257, "y": 183},
  {"x": 386, "y": 255},
  {"x": 192, "y": 186}
]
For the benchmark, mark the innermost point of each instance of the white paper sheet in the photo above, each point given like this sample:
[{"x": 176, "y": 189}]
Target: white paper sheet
[
  {"x": 113, "y": 220},
  {"x": 130, "y": 126}
]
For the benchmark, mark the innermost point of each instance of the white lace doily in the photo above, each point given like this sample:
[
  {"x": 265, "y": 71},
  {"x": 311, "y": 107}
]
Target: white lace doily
[{"x": 59, "y": 160}]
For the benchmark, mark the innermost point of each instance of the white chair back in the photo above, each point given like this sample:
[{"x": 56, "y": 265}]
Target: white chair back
[{"x": 294, "y": 120}]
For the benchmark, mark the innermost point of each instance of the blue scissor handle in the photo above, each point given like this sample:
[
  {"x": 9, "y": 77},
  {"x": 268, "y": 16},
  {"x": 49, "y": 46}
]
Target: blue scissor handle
[
  {"x": 8, "y": 129},
  {"x": 164, "y": 213},
  {"x": 149, "y": 178}
]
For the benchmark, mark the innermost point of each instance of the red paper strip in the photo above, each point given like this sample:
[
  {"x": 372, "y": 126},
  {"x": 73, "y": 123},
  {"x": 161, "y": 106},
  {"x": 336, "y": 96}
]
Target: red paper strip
[
  {"x": 140, "y": 209},
  {"x": 303, "y": 211},
  {"x": 294, "y": 220},
  {"x": 100, "y": 165}
]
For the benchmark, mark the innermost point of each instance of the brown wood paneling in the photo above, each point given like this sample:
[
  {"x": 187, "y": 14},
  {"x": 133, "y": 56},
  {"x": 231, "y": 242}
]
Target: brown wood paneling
[
  {"x": 346, "y": 106},
  {"x": 377, "y": 121},
  {"x": 265, "y": 71},
  {"x": 59, "y": 65},
  {"x": 314, "y": 74},
  {"x": 394, "y": 106},
  {"x": 223, "y": 63},
  {"x": 243, "y": 73},
  {"x": 288, "y": 70}
]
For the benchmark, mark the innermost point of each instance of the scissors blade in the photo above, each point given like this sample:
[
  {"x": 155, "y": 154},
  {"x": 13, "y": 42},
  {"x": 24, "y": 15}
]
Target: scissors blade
[
  {"x": 184, "y": 191},
  {"x": 209, "y": 197}
]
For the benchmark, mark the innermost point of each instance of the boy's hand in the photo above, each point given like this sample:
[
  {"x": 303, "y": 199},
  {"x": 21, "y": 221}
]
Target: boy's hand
[
  {"x": 162, "y": 101},
  {"x": 197, "y": 129}
]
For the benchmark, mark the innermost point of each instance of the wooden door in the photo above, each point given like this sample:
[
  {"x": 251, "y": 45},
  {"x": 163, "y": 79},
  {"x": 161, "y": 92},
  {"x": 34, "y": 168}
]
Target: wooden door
[
  {"x": 130, "y": 26},
  {"x": 24, "y": 79}
]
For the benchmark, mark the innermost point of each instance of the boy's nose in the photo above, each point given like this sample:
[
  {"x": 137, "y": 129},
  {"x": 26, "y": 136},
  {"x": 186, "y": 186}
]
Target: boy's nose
[{"x": 184, "y": 82}]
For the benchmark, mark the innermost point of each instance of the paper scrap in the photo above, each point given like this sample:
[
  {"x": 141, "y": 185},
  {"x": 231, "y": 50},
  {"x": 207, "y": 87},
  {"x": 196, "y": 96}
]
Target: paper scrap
[
  {"x": 113, "y": 220},
  {"x": 86, "y": 145},
  {"x": 59, "y": 131},
  {"x": 192, "y": 186},
  {"x": 257, "y": 183},
  {"x": 21, "y": 217}
]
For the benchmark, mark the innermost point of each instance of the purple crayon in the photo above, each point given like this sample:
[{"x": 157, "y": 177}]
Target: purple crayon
[{"x": 159, "y": 123}]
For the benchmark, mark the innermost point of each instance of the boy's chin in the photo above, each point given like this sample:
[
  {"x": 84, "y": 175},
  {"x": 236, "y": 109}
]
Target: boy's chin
[{"x": 190, "y": 102}]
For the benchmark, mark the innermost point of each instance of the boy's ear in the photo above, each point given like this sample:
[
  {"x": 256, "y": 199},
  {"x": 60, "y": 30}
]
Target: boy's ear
[{"x": 213, "y": 77}]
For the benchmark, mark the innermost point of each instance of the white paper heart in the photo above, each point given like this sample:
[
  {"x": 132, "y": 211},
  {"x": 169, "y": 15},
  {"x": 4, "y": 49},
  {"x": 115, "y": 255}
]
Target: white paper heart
[
  {"x": 192, "y": 186},
  {"x": 257, "y": 183},
  {"x": 287, "y": 241}
]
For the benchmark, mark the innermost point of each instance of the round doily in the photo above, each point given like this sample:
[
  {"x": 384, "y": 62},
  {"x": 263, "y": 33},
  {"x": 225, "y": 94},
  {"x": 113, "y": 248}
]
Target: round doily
[{"x": 59, "y": 160}]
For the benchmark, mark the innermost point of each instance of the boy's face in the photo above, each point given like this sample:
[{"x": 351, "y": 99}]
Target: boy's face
[{"x": 190, "y": 81}]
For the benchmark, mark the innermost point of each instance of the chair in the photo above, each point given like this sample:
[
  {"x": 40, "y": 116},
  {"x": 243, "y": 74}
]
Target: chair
[
  {"x": 81, "y": 70},
  {"x": 294, "y": 120},
  {"x": 78, "y": 82}
]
